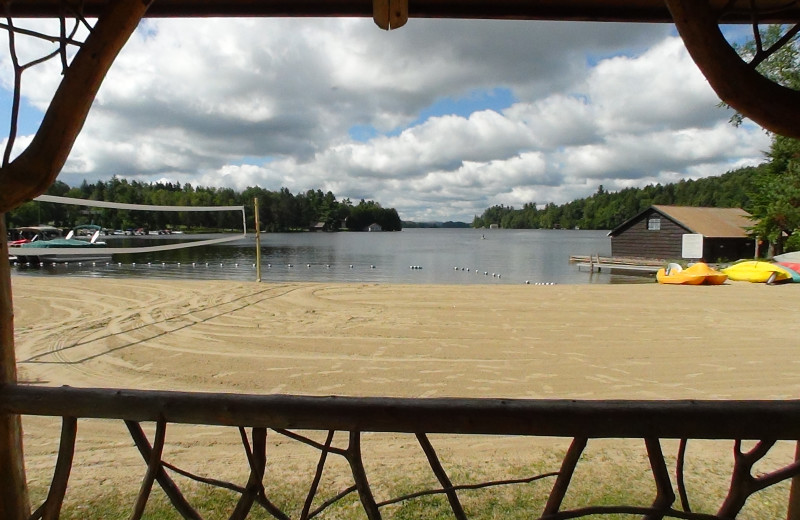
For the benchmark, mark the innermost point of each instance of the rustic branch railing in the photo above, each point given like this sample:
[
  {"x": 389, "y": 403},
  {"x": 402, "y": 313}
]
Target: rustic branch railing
[{"x": 763, "y": 421}]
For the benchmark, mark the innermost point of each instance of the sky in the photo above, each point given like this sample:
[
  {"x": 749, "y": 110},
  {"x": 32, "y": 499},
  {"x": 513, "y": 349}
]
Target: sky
[{"x": 439, "y": 119}]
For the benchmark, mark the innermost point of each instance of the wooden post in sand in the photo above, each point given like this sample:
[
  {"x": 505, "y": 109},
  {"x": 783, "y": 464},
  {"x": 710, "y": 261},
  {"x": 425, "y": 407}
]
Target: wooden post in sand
[
  {"x": 793, "y": 512},
  {"x": 14, "y": 503},
  {"x": 258, "y": 242}
]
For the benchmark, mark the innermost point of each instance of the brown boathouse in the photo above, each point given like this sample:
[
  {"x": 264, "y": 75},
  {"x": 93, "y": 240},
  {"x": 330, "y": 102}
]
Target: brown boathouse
[{"x": 675, "y": 232}]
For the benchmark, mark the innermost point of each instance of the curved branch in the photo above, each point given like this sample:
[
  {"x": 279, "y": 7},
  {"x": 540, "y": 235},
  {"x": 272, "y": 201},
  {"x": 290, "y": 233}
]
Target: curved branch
[
  {"x": 37, "y": 167},
  {"x": 769, "y": 104}
]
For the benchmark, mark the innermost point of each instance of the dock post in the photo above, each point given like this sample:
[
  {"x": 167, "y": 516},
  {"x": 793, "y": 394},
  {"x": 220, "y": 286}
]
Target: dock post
[{"x": 258, "y": 241}]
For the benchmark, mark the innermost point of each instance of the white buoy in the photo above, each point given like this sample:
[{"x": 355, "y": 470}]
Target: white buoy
[
  {"x": 351, "y": 266},
  {"x": 134, "y": 264},
  {"x": 372, "y": 267},
  {"x": 308, "y": 266}
]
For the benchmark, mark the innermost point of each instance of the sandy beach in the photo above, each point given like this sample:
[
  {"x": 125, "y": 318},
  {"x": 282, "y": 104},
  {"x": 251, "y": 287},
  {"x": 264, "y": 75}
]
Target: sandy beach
[{"x": 648, "y": 341}]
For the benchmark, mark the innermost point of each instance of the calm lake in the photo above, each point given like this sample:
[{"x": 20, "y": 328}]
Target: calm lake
[{"x": 438, "y": 256}]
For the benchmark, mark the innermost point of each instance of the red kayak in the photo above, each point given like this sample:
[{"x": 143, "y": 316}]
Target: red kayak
[{"x": 794, "y": 266}]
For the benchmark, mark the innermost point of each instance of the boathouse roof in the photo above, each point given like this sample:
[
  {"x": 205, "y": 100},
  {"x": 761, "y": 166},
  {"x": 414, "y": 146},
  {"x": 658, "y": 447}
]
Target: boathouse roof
[{"x": 709, "y": 222}]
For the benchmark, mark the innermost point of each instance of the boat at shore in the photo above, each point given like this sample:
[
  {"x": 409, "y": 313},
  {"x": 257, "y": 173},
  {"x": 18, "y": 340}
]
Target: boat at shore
[
  {"x": 696, "y": 274},
  {"x": 793, "y": 256},
  {"x": 37, "y": 244}
]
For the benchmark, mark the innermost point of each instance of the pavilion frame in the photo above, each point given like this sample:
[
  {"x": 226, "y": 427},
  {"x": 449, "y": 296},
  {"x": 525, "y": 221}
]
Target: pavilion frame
[{"x": 737, "y": 83}]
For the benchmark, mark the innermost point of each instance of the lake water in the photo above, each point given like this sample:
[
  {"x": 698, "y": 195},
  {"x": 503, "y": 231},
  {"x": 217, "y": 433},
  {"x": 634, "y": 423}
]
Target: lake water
[{"x": 443, "y": 256}]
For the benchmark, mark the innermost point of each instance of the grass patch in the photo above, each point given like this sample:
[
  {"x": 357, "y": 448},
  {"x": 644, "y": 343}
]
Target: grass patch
[{"x": 599, "y": 481}]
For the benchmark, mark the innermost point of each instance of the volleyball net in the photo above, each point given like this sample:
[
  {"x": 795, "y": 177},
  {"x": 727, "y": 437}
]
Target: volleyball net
[{"x": 65, "y": 249}]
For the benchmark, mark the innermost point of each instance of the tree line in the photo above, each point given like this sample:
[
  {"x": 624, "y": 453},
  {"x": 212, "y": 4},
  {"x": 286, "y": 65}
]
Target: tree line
[
  {"x": 770, "y": 192},
  {"x": 279, "y": 211},
  {"x": 606, "y": 210}
]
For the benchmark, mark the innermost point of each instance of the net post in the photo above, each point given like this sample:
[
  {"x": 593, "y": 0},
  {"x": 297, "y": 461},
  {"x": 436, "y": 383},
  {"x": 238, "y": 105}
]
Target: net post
[{"x": 258, "y": 241}]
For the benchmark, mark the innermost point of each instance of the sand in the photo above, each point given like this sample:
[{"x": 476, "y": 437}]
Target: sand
[{"x": 642, "y": 341}]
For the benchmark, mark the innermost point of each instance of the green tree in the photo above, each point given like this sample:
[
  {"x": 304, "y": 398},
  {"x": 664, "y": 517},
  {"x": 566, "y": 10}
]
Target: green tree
[{"x": 776, "y": 198}]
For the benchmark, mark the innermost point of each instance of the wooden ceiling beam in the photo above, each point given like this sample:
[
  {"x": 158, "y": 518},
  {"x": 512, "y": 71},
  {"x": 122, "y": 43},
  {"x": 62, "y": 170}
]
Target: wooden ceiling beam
[{"x": 570, "y": 10}]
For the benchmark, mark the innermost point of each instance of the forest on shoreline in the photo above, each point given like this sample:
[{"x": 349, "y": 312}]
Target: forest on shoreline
[
  {"x": 281, "y": 211},
  {"x": 278, "y": 210},
  {"x": 607, "y": 210}
]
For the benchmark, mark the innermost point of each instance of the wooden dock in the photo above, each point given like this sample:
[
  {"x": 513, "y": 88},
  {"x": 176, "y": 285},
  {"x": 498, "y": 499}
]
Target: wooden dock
[{"x": 597, "y": 263}]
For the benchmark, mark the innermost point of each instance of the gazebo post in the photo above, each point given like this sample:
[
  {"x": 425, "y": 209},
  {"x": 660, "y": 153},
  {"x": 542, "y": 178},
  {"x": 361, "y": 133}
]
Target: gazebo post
[
  {"x": 14, "y": 503},
  {"x": 29, "y": 175}
]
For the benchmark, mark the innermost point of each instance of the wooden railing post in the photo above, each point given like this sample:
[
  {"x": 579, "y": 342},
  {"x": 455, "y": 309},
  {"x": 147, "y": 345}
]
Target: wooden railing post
[
  {"x": 14, "y": 503},
  {"x": 793, "y": 512}
]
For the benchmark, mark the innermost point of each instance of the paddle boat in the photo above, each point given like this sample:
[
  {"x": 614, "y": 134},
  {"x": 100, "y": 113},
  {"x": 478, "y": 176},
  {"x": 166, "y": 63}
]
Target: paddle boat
[
  {"x": 758, "y": 271},
  {"x": 696, "y": 274}
]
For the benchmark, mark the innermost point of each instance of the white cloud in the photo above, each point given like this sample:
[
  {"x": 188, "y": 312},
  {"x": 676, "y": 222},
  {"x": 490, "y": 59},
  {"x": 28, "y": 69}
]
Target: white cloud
[{"x": 239, "y": 103}]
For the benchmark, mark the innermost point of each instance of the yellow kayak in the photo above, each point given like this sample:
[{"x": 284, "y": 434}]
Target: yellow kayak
[
  {"x": 757, "y": 272},
  {"x": 697, "y": 274}
]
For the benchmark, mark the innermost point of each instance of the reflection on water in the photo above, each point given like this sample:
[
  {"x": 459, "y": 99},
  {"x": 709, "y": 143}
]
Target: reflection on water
[{"x": 446, "y": 256}]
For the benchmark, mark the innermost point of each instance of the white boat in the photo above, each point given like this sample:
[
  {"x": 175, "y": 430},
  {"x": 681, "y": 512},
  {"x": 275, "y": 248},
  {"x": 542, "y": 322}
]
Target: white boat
[{"x": 794, "y": 257}]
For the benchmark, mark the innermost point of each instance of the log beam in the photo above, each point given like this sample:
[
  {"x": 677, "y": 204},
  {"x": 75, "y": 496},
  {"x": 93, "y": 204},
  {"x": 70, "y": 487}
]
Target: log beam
[
  {"x": 606, "y": 10},
  {"x": 485, "y": 416},
  {"x": 769, "y": 104}
]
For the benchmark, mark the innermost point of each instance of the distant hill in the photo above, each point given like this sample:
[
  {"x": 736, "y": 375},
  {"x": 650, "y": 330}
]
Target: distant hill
[{"x": 434, "y": 225}]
